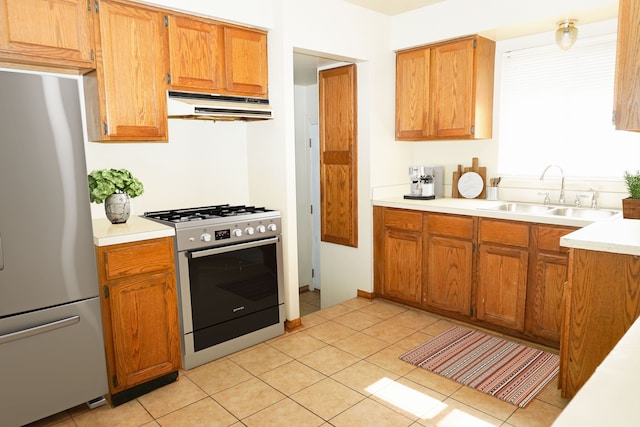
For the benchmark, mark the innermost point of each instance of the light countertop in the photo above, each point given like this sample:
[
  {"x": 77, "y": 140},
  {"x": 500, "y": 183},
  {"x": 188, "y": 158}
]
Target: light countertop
[
  {"x": 477, "y": 207},
  {"x": 621, "y": 236},
  {"x": 135, "y": 229}
]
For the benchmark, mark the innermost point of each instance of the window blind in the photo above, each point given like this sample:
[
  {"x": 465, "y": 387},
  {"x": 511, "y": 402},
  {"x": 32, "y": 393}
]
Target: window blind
[{"x": 556, "y": 108}]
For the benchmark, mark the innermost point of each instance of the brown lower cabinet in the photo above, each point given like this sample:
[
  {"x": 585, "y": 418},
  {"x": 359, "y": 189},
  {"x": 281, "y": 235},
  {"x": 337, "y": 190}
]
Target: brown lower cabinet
[
  {"x": 504, "y": 275},
  {"x": 139, "y": 315},
  {"x": 449, "y": 263},
  {"x": 603, "y": 301}
]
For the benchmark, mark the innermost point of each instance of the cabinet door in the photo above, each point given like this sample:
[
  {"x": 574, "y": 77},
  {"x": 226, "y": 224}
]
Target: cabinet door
[
  {"x": 627, "y": 76},
  {"x": 403, "y": 265},
  {"x": 449, "y": 275},
  {"x": 131, "y": 83},
  {"x": 449, "y": 263},
  {"x": 47, "y": 32},
  {"x": 412, "y": 94},
  {"x": 144, "y": 327},
  {"x": 245, "y": 53},
  {"x": 196, "y": 55},
  {"x": 452, "y": 89},
  {"x": 547, "y": 283},
  {"x": 545, "y": 307},
  {"x": 397, "y": 254},
  {"x": 501, "y": 287}
]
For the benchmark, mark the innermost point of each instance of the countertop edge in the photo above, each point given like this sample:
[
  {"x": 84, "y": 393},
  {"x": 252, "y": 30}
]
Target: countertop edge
[
  {"x": 478, "y": 207},
  {"x": 134, "y": 230}
]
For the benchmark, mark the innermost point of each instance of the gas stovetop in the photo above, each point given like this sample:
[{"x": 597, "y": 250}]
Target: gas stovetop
[
  {"x": 207, "y": 213},
  {"x": 219, "y": 224}
]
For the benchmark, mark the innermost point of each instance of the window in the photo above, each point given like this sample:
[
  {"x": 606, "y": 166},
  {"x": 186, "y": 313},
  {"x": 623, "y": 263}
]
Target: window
[{"x": 556, "y": 107}]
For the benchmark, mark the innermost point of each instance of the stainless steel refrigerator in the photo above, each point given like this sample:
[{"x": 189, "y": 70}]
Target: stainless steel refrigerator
[{"x": 51, "y": 346}]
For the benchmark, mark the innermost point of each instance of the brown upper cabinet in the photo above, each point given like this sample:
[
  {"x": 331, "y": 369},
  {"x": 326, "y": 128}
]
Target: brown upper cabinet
[
  {"x": 56, "y": 32},
  {"x": 245, "y": 52},
  {"x": 126, "y": 95},
  {"x": 445, "y": 90},
  {"x": 212, "y": 57},
  {"x": 196, "y": 54},
  {"x": 627, "y": 77}
]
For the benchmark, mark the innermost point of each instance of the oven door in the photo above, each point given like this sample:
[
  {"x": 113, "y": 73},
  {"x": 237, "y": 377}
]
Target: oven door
[{"x": 232, "y": 290}]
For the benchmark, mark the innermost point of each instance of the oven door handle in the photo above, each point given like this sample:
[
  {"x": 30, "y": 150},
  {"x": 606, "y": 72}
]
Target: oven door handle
[{"x": 229, "y": 248}]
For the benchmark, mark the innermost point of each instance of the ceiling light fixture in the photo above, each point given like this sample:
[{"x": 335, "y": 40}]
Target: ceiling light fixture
[{"x": 567, "y": 33}]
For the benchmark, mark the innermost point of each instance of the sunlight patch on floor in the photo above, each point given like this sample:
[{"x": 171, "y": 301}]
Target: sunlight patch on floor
[{"x": 423, "y": 406}]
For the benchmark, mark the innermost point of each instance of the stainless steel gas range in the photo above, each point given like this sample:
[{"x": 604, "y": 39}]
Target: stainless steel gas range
[{"x": 230, "y": 279}]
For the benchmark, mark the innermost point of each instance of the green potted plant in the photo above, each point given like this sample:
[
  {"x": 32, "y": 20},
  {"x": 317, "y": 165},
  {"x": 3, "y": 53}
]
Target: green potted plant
[
  {"x": 631, "y": 204},
  {"x": 114, "y": 187}
]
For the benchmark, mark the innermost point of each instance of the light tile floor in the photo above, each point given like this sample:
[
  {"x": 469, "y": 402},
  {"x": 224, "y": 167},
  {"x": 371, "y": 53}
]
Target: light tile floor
[
  {"x": 340, "y": 369},
  {"x": 309, "y": 302}
]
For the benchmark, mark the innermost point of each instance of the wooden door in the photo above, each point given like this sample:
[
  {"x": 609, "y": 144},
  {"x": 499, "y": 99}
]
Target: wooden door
[
  {"x": 48, "y": 32},
  {"x": 412, "y": 94},
  {"x": 196, "y": 55},
  {"x": 452, "y": 89},
  {"x": 131, "y": 75},
  {"x": 245, "y": 53},
  {"x": 338, "y": 156},
  {"x": 627, "y": 76}
]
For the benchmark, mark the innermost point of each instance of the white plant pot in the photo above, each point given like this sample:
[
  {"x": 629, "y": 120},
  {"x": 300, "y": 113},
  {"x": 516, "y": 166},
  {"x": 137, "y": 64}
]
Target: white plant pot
[{"x": 117, "y": 207}]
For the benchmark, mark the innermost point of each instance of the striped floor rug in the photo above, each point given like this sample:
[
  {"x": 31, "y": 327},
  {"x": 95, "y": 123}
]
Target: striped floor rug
[{"x": 509, "y": 371}]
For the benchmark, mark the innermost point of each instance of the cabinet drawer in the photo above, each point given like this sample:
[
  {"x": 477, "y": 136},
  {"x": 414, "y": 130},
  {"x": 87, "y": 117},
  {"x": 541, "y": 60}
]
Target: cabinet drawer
[
  {"x": 460, "y": 227},
  {"x": 128, "y": 259},
  {"x": 504, "y": 232},
  {"x": 403, "y": 219},
  {"x": 549, "y": 238}
]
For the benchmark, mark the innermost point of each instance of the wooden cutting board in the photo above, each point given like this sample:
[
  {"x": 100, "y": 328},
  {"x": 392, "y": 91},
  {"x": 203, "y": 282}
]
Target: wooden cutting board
[{"x": 480, "y": 170}]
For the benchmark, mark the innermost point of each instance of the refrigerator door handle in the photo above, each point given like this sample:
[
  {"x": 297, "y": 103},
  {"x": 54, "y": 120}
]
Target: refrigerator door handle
[
  {"x": 41, "y": 329},
  {"x": 1, "y": 257}
]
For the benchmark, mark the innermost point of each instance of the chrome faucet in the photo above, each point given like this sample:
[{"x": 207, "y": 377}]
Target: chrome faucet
[{"x": 561, "y": 198}]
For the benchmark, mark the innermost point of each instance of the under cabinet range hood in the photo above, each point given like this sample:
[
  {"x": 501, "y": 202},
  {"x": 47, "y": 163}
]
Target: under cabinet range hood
[{"x": 204, "y": 106}]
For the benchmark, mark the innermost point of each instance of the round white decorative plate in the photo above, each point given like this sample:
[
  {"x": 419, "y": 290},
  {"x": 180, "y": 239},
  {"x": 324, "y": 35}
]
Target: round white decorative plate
[{"x": 470, "y": 185}]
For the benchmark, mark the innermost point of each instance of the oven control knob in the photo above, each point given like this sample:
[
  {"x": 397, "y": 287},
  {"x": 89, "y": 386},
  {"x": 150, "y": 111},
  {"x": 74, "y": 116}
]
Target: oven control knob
[
  {"x": 249, "y": 230},
  {"x": 272, "y": 227},
  {"x": 237, "y": 232},
  {"x": 205, "y": 237},
  {"x": 261, "y": 229}
]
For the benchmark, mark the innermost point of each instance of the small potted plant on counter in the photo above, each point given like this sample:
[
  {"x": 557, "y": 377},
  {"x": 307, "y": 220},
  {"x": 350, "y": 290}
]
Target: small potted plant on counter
[
  {"x": 114, "y": 187},
  {"x": 631, "y": 205}
]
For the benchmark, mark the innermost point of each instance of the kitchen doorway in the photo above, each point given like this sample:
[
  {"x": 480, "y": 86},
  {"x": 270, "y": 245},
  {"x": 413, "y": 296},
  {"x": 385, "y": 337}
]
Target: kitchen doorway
[{"x": 306, "y": 67}]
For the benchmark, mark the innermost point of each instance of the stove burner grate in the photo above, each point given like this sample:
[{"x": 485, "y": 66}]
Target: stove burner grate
[{"x": 204, "y": 213}]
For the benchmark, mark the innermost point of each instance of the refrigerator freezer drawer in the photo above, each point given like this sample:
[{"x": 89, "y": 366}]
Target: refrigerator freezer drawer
[{"x": 52, "y": 360}]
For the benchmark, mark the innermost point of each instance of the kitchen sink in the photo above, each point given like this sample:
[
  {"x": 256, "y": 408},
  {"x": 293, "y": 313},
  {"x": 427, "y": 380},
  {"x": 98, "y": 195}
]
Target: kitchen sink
[
  {"x": 550, "y": 210},
  {"x": 520, "y": 207},
  {"x": 584, "y": 213}
]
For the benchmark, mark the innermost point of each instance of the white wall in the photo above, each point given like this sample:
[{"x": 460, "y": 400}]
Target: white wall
[{"x": 340, "y": 30}]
